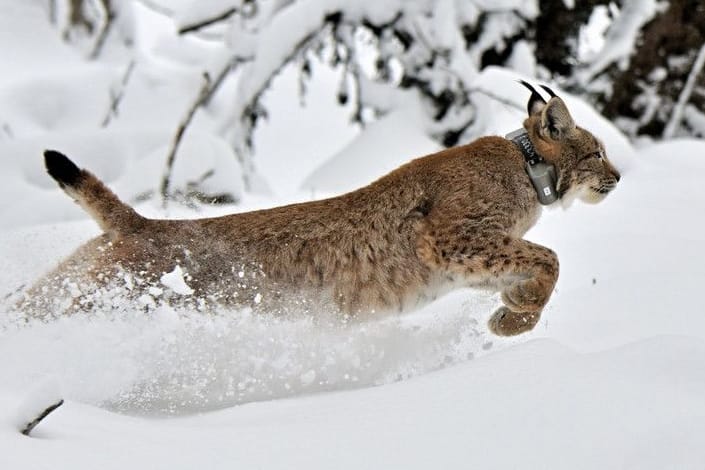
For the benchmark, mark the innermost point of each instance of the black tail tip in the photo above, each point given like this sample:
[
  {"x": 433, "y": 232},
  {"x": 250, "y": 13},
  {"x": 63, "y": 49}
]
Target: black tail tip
[{"x": 59, "y": 167}]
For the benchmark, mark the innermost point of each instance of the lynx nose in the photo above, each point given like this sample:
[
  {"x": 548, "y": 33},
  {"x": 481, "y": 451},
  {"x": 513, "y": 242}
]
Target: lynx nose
[{"x": 614, "y": 172}]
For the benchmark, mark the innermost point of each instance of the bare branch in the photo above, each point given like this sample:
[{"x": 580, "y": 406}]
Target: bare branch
[
  {"x": 116, "y": 97},
  {"x": 77, "y": 17},
  {"x": 33, "y": 424},
  {"x": 249, "y": 106},
  {"x": 222, "y": 75},
  {"x": 104, "y": 30},
  {"x": 200, "y": 99},
  {"x": 207, "y": 22},
  {"x": 685, "y": 95}
]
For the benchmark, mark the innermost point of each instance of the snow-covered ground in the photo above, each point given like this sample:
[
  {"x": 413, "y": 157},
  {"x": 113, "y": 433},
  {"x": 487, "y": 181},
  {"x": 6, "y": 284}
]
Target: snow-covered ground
[{"x": 612, "y": 377}]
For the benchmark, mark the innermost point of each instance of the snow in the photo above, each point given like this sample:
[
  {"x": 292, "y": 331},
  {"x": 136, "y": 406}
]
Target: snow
[
  {"x": 25, "y": 28},
  {"x": 523, "y": 59},
  {"x": 174, "y": 280},
  {"x": 534, "y": 406},
  {"x": 289, "y": 146},
  {"x": 372, "y": 154},
  {"x": 528, "y": 8},
  {"x": 130, "y": 161},
  {"x": 280, "y": 38},
  {"x": 611, "y": 377},
  {"x": 622, "y": 35}
]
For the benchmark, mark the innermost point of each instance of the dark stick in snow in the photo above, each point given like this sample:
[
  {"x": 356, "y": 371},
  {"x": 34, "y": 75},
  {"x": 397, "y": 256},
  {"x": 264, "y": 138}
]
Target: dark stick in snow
[{"x": 32, "y": 424}]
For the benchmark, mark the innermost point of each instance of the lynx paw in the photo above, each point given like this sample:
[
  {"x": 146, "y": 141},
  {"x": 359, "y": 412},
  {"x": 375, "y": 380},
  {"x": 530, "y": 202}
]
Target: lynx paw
[
  {"x": 528, "y": 295},
  {"x": 505, "y": 322}
]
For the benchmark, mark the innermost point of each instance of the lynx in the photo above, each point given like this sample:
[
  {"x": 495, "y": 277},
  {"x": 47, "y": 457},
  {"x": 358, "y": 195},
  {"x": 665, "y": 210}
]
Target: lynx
[{"x": 452, "y": 219}]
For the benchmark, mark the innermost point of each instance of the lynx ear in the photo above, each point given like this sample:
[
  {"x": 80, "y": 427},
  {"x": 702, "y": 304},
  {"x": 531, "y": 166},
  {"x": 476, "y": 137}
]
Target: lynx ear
[
  {"x": 556, "y": 120},
  {"x": 536, "y": 102},
  {"x": 548, "y": 90}
]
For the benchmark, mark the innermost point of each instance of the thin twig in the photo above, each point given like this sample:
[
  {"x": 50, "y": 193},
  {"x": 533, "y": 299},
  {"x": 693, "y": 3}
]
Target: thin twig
[
  {"x": 116, "y": 98},
  {"x": 207, "y": 22},
  {"x": 33, "y": 424},
  {"x": 202, "y": 96},
  {"x": 685, "y": 95},
  {"x": 104, "y": 30},
  {"x": 222, "y": 75}
]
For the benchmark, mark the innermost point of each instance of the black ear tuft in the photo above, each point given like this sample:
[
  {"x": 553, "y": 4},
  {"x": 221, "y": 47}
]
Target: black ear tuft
[
  {"x": 536, "y": 101},
  {"x": 59, "y": 167},
  {"x": 556, "y": 119},
  {"x": 548, "y": 90}
]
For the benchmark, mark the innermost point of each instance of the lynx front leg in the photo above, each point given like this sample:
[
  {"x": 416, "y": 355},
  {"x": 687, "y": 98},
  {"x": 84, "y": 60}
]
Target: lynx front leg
[
  {"x": 527, "y": 274},
  {"x": 524, "y": 272}
]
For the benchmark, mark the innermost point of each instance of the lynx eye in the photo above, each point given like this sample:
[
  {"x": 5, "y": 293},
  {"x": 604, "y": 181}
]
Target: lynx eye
[{"x": 599, "y": 154}]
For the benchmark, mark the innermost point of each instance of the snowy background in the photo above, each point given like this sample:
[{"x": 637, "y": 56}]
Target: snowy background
[{"x": 612, "y": 376}]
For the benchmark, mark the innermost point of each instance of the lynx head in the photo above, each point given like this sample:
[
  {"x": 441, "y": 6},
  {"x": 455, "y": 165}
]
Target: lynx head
[{"x": 579, "y": 157}]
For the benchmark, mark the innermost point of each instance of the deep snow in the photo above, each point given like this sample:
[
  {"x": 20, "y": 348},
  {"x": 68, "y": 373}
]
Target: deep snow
[{"x": 612, "y": 376}]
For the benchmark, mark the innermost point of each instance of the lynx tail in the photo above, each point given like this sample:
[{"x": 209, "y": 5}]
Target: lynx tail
[{"x": 112, "y": 215}]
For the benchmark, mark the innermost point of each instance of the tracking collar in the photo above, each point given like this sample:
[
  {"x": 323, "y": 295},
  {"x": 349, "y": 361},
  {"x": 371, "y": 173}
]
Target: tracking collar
[{"x": 541, "y": 174}]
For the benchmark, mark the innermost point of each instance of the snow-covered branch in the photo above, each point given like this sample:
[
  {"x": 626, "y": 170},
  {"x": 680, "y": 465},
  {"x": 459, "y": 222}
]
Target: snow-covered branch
[
  {"x": 621, "y": 36},
  {"x": 410, "y": 50},
  {"x": 685, "y": 95}
]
